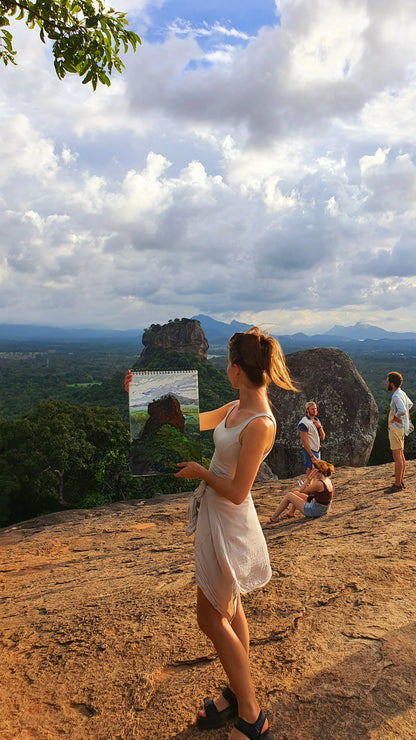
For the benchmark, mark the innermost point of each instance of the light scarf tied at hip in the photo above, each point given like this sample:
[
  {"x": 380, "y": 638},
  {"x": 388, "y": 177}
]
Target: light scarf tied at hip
[{"x": 193, "y": 507}]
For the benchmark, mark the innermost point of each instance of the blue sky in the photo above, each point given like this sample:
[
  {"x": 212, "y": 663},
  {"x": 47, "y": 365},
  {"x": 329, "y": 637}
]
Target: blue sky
[
  {"x": 255, "y": 161},
  {"x": 238, "y": 18}
]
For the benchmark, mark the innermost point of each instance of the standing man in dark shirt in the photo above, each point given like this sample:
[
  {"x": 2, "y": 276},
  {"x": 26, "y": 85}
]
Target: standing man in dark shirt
[{"x": 311, "y": 435}]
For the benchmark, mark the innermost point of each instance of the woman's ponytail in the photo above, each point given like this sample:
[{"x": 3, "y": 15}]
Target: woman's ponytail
[{"x": 261, "y": 357}]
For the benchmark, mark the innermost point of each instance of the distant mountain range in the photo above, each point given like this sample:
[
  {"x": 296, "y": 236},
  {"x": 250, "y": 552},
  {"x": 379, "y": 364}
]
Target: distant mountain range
[
  {"x": 360, "y": 336},
  {"x": 218, "y": 332},
  {"x": 361, "y": 332}
]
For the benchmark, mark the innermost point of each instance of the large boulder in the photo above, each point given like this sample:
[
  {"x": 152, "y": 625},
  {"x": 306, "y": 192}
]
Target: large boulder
[
  {"x": 264, "y": 475},
  {"x": 346, "y": 408},
  {"x": 165, "y": 410},
  {"x": 180, "y": 335}
]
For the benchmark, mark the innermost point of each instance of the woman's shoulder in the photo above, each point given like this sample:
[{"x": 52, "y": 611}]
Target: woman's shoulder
[
  {"x": 211, "y": 419},
  {"x": 327, "y": 483},
  {"x": 258, "y": 416},
  {"x": 319, "y": 484},
  {"x": 258, "y": 424}
]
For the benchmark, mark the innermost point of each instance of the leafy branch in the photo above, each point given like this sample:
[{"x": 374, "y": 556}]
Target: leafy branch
[{"x": 86, "y": 39}]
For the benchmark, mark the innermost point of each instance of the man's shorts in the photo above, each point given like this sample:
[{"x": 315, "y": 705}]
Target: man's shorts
[
  {"x": 307, "y": 460},
  {"x": 396, "y": 438}
]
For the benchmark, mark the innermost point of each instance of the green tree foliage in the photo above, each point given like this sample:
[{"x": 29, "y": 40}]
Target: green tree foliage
[
  {"x": 160, "y": 450},
  {"x": 374, "y": 368},
  {"x": 77, "y": 375},
  {"x": 74, "y": 448},
  {"x": 61, "y": 456},
  {"x": 86, "y": 39}
]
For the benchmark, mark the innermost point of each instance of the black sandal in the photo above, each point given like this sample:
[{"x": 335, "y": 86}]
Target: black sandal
[
  {"x": 213, "y": 718},
  {"x": 253, "y": 731}
]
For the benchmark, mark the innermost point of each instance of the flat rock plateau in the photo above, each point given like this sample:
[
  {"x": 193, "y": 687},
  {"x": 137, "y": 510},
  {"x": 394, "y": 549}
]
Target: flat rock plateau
[{"x": 99, "y": 638}]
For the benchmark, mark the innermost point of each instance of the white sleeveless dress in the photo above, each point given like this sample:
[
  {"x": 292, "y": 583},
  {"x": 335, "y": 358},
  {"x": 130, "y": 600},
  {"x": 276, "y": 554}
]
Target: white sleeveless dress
[{"x": 230, "y": 550}]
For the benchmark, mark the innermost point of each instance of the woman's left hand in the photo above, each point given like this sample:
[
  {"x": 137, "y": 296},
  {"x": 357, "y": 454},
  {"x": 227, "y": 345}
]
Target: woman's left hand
[{"x": 190, "y": 470}]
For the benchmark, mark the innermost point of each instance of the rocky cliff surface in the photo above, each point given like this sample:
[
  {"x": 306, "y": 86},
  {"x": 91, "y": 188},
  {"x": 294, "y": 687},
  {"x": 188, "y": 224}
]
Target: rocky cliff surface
[
  {"x": 346, "y": 409},
  {"x": 99, "y": 638},
  {"x": 184, "y": 335},
  {"x": 166, "y": 410}
]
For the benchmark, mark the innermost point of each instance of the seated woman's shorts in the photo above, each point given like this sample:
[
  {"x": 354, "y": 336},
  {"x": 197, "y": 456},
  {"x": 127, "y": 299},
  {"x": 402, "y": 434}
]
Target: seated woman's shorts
[{"x": 313, "y": 509}]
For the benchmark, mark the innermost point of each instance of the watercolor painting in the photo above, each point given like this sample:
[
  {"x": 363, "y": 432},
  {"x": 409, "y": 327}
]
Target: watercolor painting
[{"x": 164, "y": 420}]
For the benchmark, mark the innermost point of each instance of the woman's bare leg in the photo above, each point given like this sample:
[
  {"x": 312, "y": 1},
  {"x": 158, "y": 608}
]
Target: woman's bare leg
[
  {"x": 231, "y": 643},
  {"x": 399, "y": 466},
  {"x": 240, "y": 627},
  {"x": 297, "y": 499},
  {"x": 292, "y": 511}
]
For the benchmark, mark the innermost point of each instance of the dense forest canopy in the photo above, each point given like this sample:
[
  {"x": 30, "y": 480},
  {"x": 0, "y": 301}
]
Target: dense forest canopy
[
  {"x": 64, "y": 429},
  {"x": 64, "y": 426}
]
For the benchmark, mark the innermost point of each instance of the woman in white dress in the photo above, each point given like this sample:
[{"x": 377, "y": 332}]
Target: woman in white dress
[{"x": 230, "y": 550}]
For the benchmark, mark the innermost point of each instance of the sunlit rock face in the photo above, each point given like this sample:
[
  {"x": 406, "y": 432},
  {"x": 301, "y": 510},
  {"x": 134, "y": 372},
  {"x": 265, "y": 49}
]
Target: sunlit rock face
[
  {"x": 184, "y": 335},
  {"x": 166, "y": 410}
]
